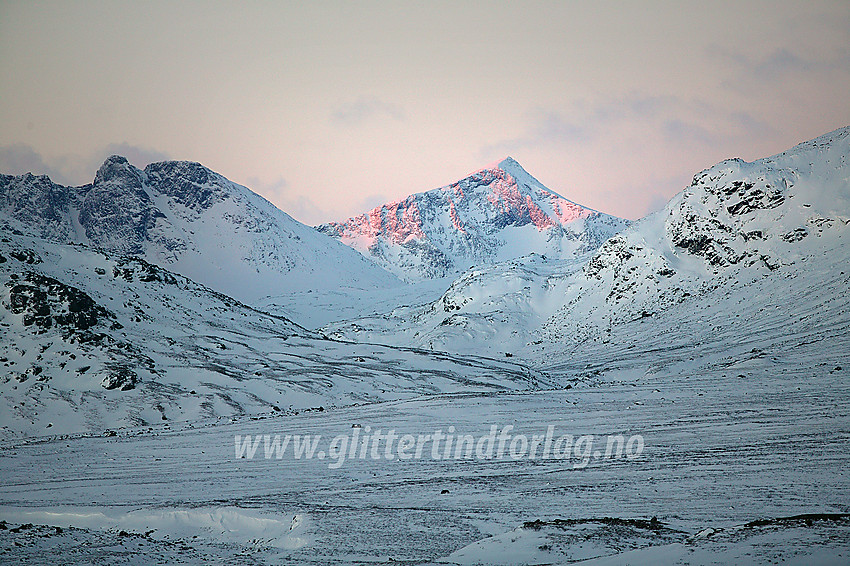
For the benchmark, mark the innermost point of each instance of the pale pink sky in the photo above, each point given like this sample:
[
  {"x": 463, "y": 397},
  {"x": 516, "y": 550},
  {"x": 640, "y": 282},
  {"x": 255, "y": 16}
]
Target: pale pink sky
[{"x": 330, "y": 108}]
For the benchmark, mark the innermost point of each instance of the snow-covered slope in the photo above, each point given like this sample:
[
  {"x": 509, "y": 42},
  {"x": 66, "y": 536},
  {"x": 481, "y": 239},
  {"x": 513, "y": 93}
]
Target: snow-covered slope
[
  {"x": 182, "y": 216},
  {"x": 490, "y": 310},
  {"x": 738, "y": 222},
  {"x": 94, "y": 341},
  {"x": 498, "y": 213},
  {"x": 779, "y": 219}
]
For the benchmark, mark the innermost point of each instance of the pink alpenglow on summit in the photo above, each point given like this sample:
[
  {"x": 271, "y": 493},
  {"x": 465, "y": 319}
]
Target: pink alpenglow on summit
[
  {"x": 568, "y": 211},
  {"x": 496, "y": 214},
  {"x": 397, "y": 220}
]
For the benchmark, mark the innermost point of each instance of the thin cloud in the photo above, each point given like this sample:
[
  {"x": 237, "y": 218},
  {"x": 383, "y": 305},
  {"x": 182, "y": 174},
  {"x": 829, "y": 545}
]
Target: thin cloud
[
  {"x": 371, "y": 202},
  {"x": 365, "y": 109},
  {"x": 279, "y": 193},
  {"x": 649, "y": 106},
  {"x": 690, "y": 122},
  {"x": 779, "y": 66},
  {"x": 545, "y": 128},
  {"x": 18, "y": 159},
  {"x": 304, "y": 210},
  {"x": 752, "y": 125},
  {"x": 655, "y": 203},
  {"x": 75, "y": 170},
  {"x": 775, "y": 64},
  {"x": 138, "y": 156},
  {"x": 584, "y": 123},
  {"x": 683, "y": 132},
  {"x": 278, "y": 187}
]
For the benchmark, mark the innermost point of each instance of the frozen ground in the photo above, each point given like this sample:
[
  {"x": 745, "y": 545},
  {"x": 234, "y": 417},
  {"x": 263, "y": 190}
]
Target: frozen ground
[
  {"x": 313, "y": 309},
  {"x": 723, "y": 447},
  {"x": 745, "y": 412}
]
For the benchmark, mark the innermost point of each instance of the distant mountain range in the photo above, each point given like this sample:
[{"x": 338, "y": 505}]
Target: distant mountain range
[
  {"x": 154, "y": 294},
  {"x": 498, "y": 213},
  {"x": 741, "y": 234},
  {"x": 190, "y": 220}
]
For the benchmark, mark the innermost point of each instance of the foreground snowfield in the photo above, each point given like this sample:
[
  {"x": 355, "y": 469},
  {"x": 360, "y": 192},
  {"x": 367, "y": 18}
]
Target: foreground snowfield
[
  {"x": 721, "y": 451},
  {"x": 736, "y": 430}
]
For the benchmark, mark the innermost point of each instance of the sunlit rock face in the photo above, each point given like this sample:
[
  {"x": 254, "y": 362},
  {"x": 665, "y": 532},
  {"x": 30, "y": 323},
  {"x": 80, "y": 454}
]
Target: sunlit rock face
[{"x": 498, "y": 213}]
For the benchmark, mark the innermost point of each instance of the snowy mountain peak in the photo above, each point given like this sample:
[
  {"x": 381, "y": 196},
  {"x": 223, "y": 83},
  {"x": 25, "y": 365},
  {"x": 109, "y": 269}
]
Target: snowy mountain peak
[
  {"x": 111, "y": 162},
  {"x": 189, "y": 183},
  {"x": 497, "y": 213},
  {"x": 508, "y": 164},
  {"x": 737, "y": 222},
  {"x": 516, "y": 171},
  {"x": 191, "y": 220},
  {"x": 117, "y": 169}
]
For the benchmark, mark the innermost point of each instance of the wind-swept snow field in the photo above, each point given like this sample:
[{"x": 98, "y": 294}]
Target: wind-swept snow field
[
  {"x": 708, "y": 344},
  {"x": 721, "y": 451}
]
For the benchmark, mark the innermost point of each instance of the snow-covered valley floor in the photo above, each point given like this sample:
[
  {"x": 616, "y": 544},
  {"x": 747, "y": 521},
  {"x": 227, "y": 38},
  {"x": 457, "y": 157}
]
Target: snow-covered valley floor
[
  {"x": 742, "y": 399},
  {"x": 722, "y": 449}
]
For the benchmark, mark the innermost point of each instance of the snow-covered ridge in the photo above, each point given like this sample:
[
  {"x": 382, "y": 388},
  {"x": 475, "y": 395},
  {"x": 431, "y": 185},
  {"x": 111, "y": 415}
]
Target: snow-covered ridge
[
  {"x": 95, "y": 341},
  {"x": 181, "y": 215},
  {"x": 736, "y": 222},
  {"x": 495, "y": 214},
  {"x": 786, "y": 216}
]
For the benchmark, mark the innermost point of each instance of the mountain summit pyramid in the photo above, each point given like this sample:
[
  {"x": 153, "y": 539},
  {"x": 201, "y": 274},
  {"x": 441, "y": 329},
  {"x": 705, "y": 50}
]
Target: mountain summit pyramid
[{"x": 495, "y": 214}]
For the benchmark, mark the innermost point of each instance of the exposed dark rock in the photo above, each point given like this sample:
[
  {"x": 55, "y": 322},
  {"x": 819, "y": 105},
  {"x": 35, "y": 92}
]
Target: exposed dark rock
[
  {"x": 45, "y": 302},
  {"x": 116, "y": 211},
  {"x": 646, "y": 524},
  {"x": 795, "y": 235},
  {"x": 188, "y": 183},
  {"x": 136, "y": 269},
  {"x": 38, "y": 202},
  {"x": 120, "y": 377},
  {"x": 805, "y": 519}
]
